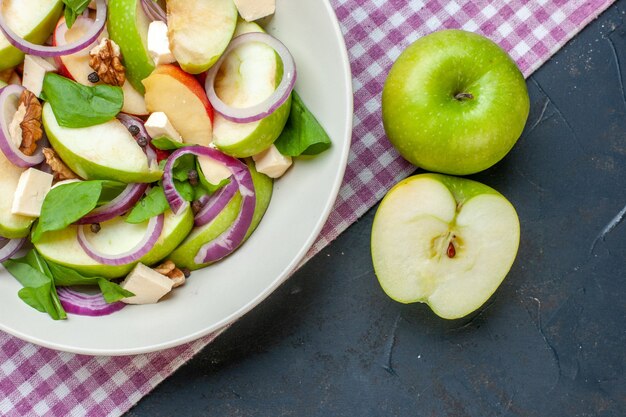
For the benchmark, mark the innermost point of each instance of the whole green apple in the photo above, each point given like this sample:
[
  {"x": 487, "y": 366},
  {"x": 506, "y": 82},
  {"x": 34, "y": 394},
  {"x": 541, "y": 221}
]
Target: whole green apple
[
  {"x": 444, "y": 241},
  {"x": 454, "y": 102}
]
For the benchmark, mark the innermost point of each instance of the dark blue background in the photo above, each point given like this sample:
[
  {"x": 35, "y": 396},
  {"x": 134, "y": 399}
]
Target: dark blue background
[{"x": 550, "y": 343}]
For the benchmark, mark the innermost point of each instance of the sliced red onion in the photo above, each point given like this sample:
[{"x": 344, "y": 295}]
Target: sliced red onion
[
  {"x": 215, "y": 204},
  {"x": 230, "y": 240},
  {"x": 116, "y": 207},
  {"x": 269, "y": 105},
  {"x": 153, "y": 11},
  {"x": 128, "y": 121},
  {"x": 153, "y": 231},
  {"x": 9, "y": 94},
  {"x": 9, "y": 247},
  {"x": 61, "y": 30},
  {"x": 82, "y": 304},
  {"x": 50, "y": 51}
]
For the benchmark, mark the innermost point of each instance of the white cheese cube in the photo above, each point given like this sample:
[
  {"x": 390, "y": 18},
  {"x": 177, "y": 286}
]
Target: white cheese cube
[
  {"x": 251, "y": 10},
  {"x": 159, "y": 43},
  {"x": 148, "y": 285},
  {"x": 159, "y": 125},
  {"x": 213, "y": 171},
  {"x": 30, "y": 192},
  {"x": 271, "y": 162},
  {"x": 35, "y": 69}
]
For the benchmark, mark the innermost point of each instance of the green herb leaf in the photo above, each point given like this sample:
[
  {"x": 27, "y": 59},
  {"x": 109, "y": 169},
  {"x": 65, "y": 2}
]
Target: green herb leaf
[
  {"x": 185, "y": 190},
  {"x": 302, "y": 135},
  {"x": 73, "y": 9},
  {"x": 151, "y": 205},
  {"x": 39, "y": 291},
  {"x": 76, "y": 105},
  {"x": 68, "y": 277},
  {"x": 112, "y": 292},
  {"x": 182, "y": 166},
  {"x": 57, "y": 214},
  {"x": 166, "y": 143}
]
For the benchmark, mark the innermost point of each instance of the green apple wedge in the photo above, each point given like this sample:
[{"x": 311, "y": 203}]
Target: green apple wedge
[
  {"x": 115, "y": 236},
  {"x": 11, "y": 225},
  {"x": 128, "y": 27},
  {"x": 454, "y": 102},
  {"x": 445, "y": 241},
  {"x": 184, "y": 255},
  {"x": 104, "y": 151},
  {"x": 34, "y": 20},
  {"x": 2, "y": 84},
  {"x": 249, "y": 75},
  {"x": 199, "y": 31}
]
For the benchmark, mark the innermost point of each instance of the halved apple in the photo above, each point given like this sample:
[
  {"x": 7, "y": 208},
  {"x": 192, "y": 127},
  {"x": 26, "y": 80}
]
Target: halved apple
[
  {"x": 199, "y": 31},
  {"x": 128, "y": 27},
  {"x": 76, "y": 66},
  {"x": 115, "y": 236},
  {"x": 445, "y": 241},
  {"x": 249, "y": 75},
  {"x": 184, "y": 255},
  {"x": 11, "y": 225},
  {"x": 105, "y": 151},
  {"x": 34, "y": 20},
  {"x": 181, "y": 97}
]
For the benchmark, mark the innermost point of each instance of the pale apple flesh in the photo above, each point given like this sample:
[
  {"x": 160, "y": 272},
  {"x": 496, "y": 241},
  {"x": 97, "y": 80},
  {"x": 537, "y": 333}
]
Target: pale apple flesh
[
  {"x": 181, "y": 97},
  {"x": 115, "y": 236},
  {"x": 11, "y": 225},
  {"x": 448, "y": 242},
  {"x": 104, "y": 151},
  {"x": 248, "y": 76},
  {"x": 199, "y": 31},
  {"x": 34, "y": 20}
]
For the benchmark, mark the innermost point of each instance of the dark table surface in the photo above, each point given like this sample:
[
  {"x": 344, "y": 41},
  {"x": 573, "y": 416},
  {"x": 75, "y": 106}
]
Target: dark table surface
[{"x": 551, "y": 342}]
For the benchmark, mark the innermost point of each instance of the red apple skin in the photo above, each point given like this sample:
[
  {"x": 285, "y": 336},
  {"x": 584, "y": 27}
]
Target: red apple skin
[
  {"x": 188, "y": 81},
  {"x": 62, "y": 68}
]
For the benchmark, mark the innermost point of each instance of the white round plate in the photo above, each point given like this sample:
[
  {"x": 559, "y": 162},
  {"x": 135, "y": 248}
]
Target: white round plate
[{"x": 302, "y": 201}]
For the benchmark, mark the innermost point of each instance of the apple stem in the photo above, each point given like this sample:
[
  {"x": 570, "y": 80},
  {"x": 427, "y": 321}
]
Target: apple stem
[
  {"x": 451, "y": 252},
  {"x": 464, "y": 96}
]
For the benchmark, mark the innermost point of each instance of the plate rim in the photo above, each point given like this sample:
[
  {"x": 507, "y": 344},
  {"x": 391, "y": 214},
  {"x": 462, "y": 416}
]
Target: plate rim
[{"x": 223, "y": 324}]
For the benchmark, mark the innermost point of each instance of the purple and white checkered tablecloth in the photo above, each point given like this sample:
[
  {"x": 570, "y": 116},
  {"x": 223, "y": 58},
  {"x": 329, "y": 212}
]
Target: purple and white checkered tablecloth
[{"x": 35, "y": 381}]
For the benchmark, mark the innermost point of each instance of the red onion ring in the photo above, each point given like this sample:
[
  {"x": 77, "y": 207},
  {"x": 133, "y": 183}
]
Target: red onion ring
[
  {"x": 153, "y": 11},
  {"x": 116, "y": 207},
  {"x": 230, "y": 240},
  {"x": 128, "y": 121},
  {"x": 215, "y": 204},
  {"x": 9, "y": 247},
  {"x": 7, "y": 146},
  {"x": 153, "y": 232},
  {"x": 82, "y": 304},
  {"x": 60, "y": 33},
  {"x": 270, "y": 104},
  {"x": 52, "y": 51}
]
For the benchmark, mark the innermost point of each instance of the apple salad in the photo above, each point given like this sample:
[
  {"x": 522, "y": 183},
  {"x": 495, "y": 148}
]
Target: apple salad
[{"x": 139, "y": 141}]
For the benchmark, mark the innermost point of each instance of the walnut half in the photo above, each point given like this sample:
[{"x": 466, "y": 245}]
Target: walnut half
[
  {"x": 170, "y": 270},
  {"x": 29, "y": 111},
  {"x": 106, "y": 61},
  {"x": 60, "y": 171}
]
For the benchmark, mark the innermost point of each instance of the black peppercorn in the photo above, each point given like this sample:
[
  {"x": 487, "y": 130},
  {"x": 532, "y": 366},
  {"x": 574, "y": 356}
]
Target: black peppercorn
[
  {"x": 192, "y": 175},
  {"x": 142, "y": 141},
  {"x": 133, "y": 129},
  {"x": 95, "y": 227},
  {"x": 93, "y": 77}
]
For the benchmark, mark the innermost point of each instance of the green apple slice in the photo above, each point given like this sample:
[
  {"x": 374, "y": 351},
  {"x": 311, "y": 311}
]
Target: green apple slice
[
  {"x": 128, "y": 27},
  {"x": 11, "y": 225},
  {"x": 445, "y": 241},
  {"x": 184, "y": 255},
  {"x": 105, "y": 151},
  {"x": 199, "y": 31},
  {"x": 115, "y": 236},
  {"x": 248, "y": 76},
  {"x": 34, "y": 20}
]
